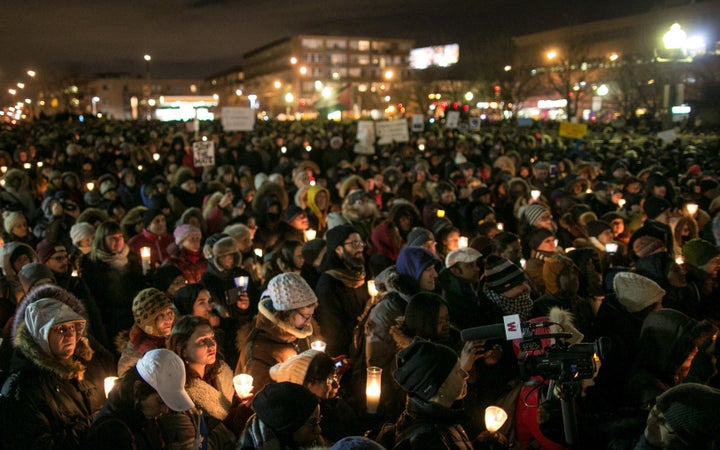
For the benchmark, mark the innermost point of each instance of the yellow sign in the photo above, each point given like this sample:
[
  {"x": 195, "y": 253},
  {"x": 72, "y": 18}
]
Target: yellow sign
[{"x": 572, "y": 130}]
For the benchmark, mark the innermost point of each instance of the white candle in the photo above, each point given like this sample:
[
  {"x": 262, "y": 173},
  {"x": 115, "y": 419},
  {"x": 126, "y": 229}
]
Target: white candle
[
  {"x": 500, "y": 226},
  {"x": 463, "y": 242},
  {"x": 372, "y": 290},
  {"x": 109, "y": 385},
  {"x": 372, "y": 389},
  {"x": 310, "y": 234},
  {"x": 621, "y": 202},
  {"x": 145, "y": 258},
  {"x": 692, "y": 208},
  {"x": 243, "y": 385},
  {"x": 90, "y": 186},
  {"x": 318, "y": 345},
  {"x": 535, "y": 194},
  {"x": 611, "y": 247},
  {"x": 258, "y": 252}
]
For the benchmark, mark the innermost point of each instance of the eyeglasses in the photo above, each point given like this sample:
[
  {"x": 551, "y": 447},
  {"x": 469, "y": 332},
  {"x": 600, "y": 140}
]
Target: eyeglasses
[
  {"x": 168, "y": 315},
  {"x": 207, "y": 342},
  {"x": 66, "y": 329},
  {"x": 307, "y": 317},
  {"x": 355, "y": 244}
]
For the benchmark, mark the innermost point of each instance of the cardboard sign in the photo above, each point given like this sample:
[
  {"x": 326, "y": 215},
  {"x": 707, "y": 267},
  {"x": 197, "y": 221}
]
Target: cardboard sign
[
  {"x": 475, "y": 124},
  {"x": 365, "y": 138},
  {"x": 452, "y": 119},
  {"x": 203, "y": 153},
  {"x": 572, "y": 130},
  {"x": 513, "y": 327},
  {"x": 237, "y": 119},
  {"x": 390, "y": 131},
  {"x": 418, "y": 123}
]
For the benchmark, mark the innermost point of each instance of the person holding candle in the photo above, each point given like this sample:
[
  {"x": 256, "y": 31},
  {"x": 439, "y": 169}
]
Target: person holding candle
[
  {"x": 154, "y": 318},
  {"x": 297, "y": 219},
  {"x": 155, "y": 236},
  {"x": 186, "y": 253},
  {"x": 283, "y": 327},
  {"x": 209, "y": 381},
  {"x": 316, "y": 371},
  {"x": 46, "y": 401},
  {"x": 114, "y": 276}
]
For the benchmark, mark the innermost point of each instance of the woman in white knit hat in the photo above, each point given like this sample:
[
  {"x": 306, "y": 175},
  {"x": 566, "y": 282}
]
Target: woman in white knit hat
[{"x": 283, "y": 327}]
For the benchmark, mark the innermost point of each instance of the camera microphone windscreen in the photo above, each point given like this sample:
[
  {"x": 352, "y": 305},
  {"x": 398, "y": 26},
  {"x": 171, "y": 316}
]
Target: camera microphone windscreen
[{"x": 494, "y": 331}]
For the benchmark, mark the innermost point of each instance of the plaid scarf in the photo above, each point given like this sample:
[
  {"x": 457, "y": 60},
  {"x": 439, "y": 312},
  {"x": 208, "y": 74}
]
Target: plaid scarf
[{"x": 521, "y": 305}]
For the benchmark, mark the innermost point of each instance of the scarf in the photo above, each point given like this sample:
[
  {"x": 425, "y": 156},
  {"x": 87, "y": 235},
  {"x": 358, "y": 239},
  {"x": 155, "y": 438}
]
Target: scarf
[
  {"x": 351, "y": 279},
  {"x": 521, "y": 305},
  {"x": 115, "y": 260}
]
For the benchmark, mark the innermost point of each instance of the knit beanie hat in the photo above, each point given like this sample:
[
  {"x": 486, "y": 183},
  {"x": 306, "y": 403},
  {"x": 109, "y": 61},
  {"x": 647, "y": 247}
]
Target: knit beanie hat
[
  {"x": 80, "y": 231},
  {"x": 337, "y": 235},
  {"x": 10, "y": 218},
  {"x": 33, "y": 274},
  {"x": 185, "y": 231},
  {"x": 149, "y": 215},
  {"x": 335, "y": 219},
  {"x": 289, "y": 291},
  {"x": 164, "y": 276},
  {"x": 412, "y": 262},
  {"x": 46, "y": 249},
  {"x": 285, "y": 406},
  {"x": 294, "y": 369},
  {"x": 691, "y": 411},
  {"x": 184, "y": 298},
  {"x": 596, "y": 227},
  {"x": 537, "y": 237},
  {"x": 147, "y": 305},
  {"x": 45, "y": 313},
  {"x": 531, "y": 213},
  {"x": 502, "y": 275},
  {"x": 647, "y": 245},
  {"x": 555, "y": 266},
  {"x": 636, "y": 292},
  {"x": 698, "y": 252},
  {"x": 439, "y": 225},
  {"x": 292, "y": 212},
  {"x": 418, "y": 236},
  {"x": 654, "y": 206},
  {"x": 423, "y": 367},
  {"x": 311, "y": 249}
]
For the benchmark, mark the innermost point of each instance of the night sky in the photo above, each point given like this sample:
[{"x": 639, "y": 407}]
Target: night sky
[{"x": 196, "y": 38}]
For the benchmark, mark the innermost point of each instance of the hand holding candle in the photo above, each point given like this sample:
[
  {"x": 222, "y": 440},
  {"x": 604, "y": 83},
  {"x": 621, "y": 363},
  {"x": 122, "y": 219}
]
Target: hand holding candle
[{"x": 243, "y": 385}]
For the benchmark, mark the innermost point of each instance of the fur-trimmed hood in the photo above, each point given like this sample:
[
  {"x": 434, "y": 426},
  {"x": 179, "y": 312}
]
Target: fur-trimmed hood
[
  {"x": 267, "y": 190},
  {"x": 284, "y": 332},
  {"x": 24, "y": 342},
  {"x": 214, "y": 401},
  {"x": 7, "y": 251}
]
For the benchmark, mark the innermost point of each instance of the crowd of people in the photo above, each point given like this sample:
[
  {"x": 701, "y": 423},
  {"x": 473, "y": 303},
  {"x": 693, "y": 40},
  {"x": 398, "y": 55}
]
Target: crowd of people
[{"x": 301, "y": 263}]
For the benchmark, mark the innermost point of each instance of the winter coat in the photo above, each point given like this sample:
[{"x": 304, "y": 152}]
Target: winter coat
[
  {"x": 114, "y": 290},
  {"x": 426, "y": 425},
  {"x": 339, "y": 307},
  {"x": 271, "y": 342},
  {"x": 158, "y": 245},
  {"x": 135, "y": 347},
  {"x": 463, "y": 302},
  {"x": 258, "y": 436},
  {"x": 13, "y": 289},
  {"x": 47, "y": 402},
  {"x": 192, "y": 265}
]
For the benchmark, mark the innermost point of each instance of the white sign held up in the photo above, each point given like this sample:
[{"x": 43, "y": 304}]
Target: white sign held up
[
  {"x": 452, "y": 119},
  {"x": 203, "y": 153},
  {"x": 365, "y": 138},
  {"x": 392, "y": 131},
  {"x": 237, "y": 119}
]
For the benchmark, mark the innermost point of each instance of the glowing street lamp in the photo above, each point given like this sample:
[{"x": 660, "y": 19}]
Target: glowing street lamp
[
  {"x": 613, "y": 57},
  {"x": 389, "y": 74},
  {"x": 21, "y": 85},
  {"x": 277, "y": 84},
  {"x": 552, "y": 54},
  {"x": 469, "y": 96},
  {"x": 675, "y": 37},
  {"x": 12, "y": 91},
  {"x": 147, "y": 58},
  {"x": 507, "y": 68}
]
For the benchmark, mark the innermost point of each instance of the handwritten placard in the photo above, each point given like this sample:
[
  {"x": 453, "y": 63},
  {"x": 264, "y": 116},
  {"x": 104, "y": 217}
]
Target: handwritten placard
[{"x": 203, "y": 153}]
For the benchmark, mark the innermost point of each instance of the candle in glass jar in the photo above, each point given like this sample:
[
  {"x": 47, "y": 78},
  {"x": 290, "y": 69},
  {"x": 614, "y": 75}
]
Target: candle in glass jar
[
  {"x": 318, "y": 345},
  {"x": 109, "y": 384},
  {"x": 372, "y": 290},
  {"x": 372, "y": 389}
]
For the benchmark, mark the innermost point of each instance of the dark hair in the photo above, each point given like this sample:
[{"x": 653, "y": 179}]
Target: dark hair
[
  {"x": 130, "y": 390},
  {"x": 422, "y": 315},
  {"x": 282, "y": 259},
  {"x": 180, "y": 335},
  {"x": 105, "y": 229},
  {"x": 320, "y": 368}
]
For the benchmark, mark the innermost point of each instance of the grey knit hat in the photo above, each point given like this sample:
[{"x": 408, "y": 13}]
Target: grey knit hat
[
  {"x": 290, "y": 291},
  {"x": 636, "y": 292}
]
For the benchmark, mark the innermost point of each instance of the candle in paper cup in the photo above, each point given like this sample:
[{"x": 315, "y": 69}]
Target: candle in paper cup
[
  {"x": 611, "y": 247},
  {"x": 440, "y": 213},
  {"x": 243, "y": 385},
  {"x": 463, "y": 242},
  {"x": 310, "y": 234},
  {"x": 372, "y": 389},
  {"x": 258, "y": 252},
  {"x": 692, "y": 208},
  {"x": 318, "y": 345},
  {"x": 109, "y": 383},
  {"x": 372, "y": 290},
  {"x": 535, "y": 194},
  {"x": 241, "y": 282}
]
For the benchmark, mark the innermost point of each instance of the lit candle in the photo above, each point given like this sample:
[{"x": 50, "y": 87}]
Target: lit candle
[
  {"x": 3, "y": 169},
  {"x": 692, "y": 208},
  {"x": 679, "y": 260},
  {"x": 463, "y": 242},
  {"x": 156, "y": 156},
  {"x": 258, "y": 252},
  {"x": 27, "y": 165},
  {"x": 611, "y": 247},
  {"x": 500, "y": 226},
  {"x": 109, "y": 385},
  {"x": 243, "y": 385},
  {"x": 440, "y": 213},
  {"x": 621, "y": 203},
  {"x": 372, "y": 290},
  {"x": 310, "y": 234},
  {"x": 522, "y": 262},
  {"x": 318, "y": 345},
  {"x": 535, "y": 194},
  {"x": 39, "y": 163},
  {"x": 74, "y": 273},
  {"x": 495, "y": 418},
  {"x": 90, "y": 186},
  {"x": 372, "y": 389},
  {"x": 145, "y": 258}
]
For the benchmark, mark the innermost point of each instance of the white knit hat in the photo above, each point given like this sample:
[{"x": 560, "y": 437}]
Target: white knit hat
[
  {"x": 636, "y": 292},
  {"x": 294, "y": 369},
  {"x": 81, "y": 230},
  {"x": 290, "y": 291}
]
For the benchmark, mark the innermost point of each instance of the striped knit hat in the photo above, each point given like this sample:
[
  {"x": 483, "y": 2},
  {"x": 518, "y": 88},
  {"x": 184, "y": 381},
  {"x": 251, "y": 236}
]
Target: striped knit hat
[
  {"x": 531, "y": 213},
  {"x": 502, "y": 275}
]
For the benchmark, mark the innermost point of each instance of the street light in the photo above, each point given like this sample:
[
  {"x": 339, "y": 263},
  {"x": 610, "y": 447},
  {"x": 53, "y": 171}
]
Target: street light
[
  {"x": 507, "y": 68},
  {"x": 602, "y": 90},
  {"x": 469, "y": 96},
  {"x": 95, "y": 101},
  {"x": 31, "y": 73},
  {"x": 551, "y": 54}
]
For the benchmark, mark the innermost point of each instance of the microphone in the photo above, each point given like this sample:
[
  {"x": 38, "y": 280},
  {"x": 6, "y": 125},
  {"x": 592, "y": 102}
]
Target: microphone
[{"x": 494, "y": 331}]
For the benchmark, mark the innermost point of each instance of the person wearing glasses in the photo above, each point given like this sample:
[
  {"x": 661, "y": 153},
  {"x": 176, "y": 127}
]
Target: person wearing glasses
[
  {"x": 341, "y": 289},
  {"x": 317, "y": 371},
  {"x": 283, "y": 327},
  {"x": 154, "y": 318},
  {"x": 47, "y": 402}
]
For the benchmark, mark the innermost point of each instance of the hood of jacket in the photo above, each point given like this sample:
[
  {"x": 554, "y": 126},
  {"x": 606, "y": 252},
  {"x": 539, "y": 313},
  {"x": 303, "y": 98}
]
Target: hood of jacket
[
  {"x": 7, "y": 250},
  {"x": 278, "y": 329}
]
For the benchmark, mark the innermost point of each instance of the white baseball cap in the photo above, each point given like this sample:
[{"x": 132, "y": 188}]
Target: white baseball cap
[
  {"x": 465, "y": 255},
  {"x": 165, "y": 372}
]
